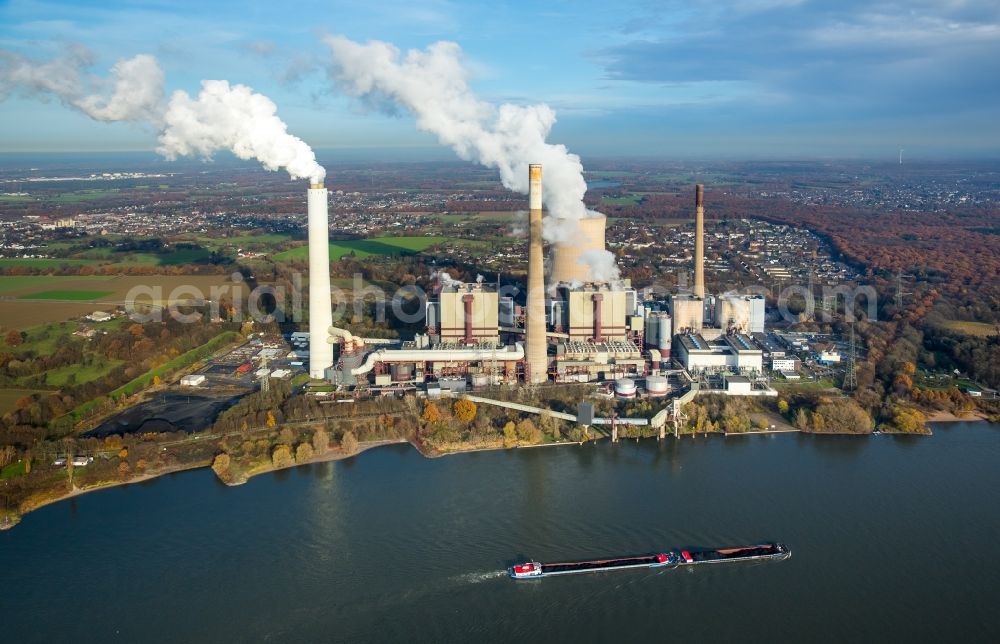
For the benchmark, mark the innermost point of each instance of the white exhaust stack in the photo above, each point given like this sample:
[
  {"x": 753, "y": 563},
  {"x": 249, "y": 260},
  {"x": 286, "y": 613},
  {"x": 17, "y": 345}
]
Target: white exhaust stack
[
  {"x": 536, "y": 361},
  {"x": 320, "y": 303},
  {"x": 699, "y": 241}
]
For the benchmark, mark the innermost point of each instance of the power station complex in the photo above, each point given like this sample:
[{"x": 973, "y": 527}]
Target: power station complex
[{"x": 569, "y": 328}]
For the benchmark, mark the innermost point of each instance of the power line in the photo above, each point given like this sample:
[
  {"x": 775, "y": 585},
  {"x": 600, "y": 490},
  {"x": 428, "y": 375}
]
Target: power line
[{"x": 851, "y": 375}]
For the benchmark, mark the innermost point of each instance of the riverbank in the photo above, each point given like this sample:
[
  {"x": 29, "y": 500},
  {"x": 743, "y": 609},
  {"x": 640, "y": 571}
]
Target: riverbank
[
  {"x": 34, "y": 503},
  {"x": 332, "y": 454},
  {"x": 335, "y": 454},
  {"x": 948, "y": 417}
]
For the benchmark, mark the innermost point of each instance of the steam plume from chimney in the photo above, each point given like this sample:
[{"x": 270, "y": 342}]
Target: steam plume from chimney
[
  {"x": 136, "y": 84},
  {"x": 222, "y": 117},
  {"x": 235, "y": 118},
  {"x": 432, "y": 85}
]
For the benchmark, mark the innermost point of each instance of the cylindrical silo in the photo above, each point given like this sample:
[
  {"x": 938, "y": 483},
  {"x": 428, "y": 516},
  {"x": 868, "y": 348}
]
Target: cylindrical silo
[
  {"x": 657, "y": 385},
  {"x": 625, "y": 388}
]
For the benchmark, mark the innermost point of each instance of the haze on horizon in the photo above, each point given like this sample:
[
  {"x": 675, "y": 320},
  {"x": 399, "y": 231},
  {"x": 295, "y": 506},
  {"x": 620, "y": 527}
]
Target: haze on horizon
[{"x": 748, "y": 78}]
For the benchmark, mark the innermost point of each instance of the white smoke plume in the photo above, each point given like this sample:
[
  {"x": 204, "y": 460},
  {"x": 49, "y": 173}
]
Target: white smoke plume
[
  {"x": 432, "y": 84},
  {"x": 444, "y": 278},
  {"x": 235, "y": 118},
  {"x": 137, "y": 84},
  {"x": 603, "y": 267},
  {"x": 222, "y": 117},
  {"x": 137, "y": 95}
]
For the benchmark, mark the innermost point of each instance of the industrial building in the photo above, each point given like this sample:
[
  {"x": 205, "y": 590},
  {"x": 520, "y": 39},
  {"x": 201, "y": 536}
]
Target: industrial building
[
  {"x": 465, "y": 314},
  {"x": 736, "y": 353},
  {"x": 574, "y": 329},
  {"x": 740, "y": 313},
  {"x": 591, "y": 311}
]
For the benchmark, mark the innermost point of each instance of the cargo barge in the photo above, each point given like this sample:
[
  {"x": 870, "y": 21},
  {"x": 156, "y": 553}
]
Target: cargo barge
[
  {"x": 534, "y": 570},
  {"x": 690, "y": 557},
  {"x": 693, "y": 557}
]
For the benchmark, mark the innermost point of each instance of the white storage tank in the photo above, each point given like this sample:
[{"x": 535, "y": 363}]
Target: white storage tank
[
  {"x": 625, "y": 388},
  {"x": 663, "y": 336},
  {"x": 657, "y": 386}
]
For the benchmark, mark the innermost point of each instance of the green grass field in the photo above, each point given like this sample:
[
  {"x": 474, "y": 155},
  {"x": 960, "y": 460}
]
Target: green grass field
[
  {"x": 8, "y": 397},
  {"x": 10, "y": 283},
  {"x": 57, "y": 294},
  {"x": 12, "y": 470},
  {"x": 43, "y": 263},
  {"x": 81, "y": 374},
  {"x": 386, "y": 246},
  {"x": 83, "y": 195},
  {"x": 264, "y": 240},
  {"x": 631, "y": 200},
  {"x": 43, "y": 338},
  {"x": 980, "y": 329}
]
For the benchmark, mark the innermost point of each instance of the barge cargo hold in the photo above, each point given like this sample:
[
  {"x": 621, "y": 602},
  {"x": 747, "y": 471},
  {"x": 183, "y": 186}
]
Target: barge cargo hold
[
  {"x": 777, "y": 551},
  {"x": 535, "y": 570}
]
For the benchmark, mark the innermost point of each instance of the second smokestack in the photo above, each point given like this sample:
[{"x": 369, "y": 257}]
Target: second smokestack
[
  {"x": 699, "y": 241},
  {"x": 536, "y": 351}
]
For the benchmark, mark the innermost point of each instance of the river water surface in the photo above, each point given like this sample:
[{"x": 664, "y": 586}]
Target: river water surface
[{"x": 893, "y": 539}]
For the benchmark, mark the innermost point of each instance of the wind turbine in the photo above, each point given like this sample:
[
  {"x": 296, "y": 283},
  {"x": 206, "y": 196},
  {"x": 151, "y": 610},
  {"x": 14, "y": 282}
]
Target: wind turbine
[{"x": 900, "y": 156}]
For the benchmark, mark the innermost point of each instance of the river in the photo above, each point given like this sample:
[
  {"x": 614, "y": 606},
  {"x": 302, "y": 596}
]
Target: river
[{"x": 893, "y": 539}]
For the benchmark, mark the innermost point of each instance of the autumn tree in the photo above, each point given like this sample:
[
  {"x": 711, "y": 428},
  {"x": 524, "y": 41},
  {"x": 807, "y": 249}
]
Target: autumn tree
[
  {"x": 14, "y": 338},
  {"x": 303, "y": 452},
  {"x": 349, "y": 442},
  {"x": 528, "y": 433},
  {"x": 509, "y": 434},
  {"x": 842, "y": 416},
  {"x": 221, "y": 466},
  {"x": 281, "y": 456},
  {"x": 271, "y": 421},
  {"x": 465, "y": 410},
  {"x": 431, "y": 413},
  {"x": 908, "y": 420},
  {"x": 320, "y": 441},
  {"x": 7, "y": 453}
]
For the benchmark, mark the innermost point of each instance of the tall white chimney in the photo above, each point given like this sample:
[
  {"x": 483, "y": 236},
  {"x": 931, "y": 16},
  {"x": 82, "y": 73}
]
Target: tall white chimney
[
  {"x": 536, "y": 349},
  {"x": 699, "y": 241},
  {"x": 320, "y": 303}
]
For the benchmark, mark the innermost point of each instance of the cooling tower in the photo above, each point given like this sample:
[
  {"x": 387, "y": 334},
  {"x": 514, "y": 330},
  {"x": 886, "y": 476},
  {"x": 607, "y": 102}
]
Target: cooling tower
[
  {"x": 320, "y": 304},
  {"x": 564, "y": 259},
  {"x": 536, "y": 362},
  {"x": 699, "y": 241}
]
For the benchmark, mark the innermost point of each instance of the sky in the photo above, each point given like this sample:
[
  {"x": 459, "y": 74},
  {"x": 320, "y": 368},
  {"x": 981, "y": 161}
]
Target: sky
[{"x": 744, "y": 79}]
